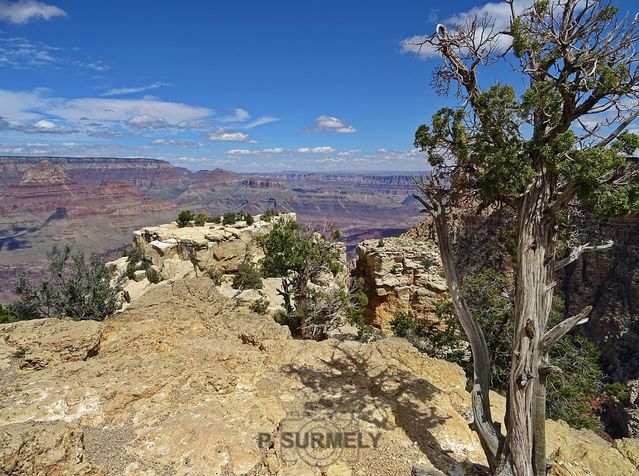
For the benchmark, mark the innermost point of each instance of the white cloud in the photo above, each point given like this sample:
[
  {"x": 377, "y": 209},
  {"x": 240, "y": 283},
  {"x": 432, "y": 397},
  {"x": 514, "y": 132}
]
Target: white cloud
[
  {"x": 226, "y": 136},
  {"x": 274, "y": 150},
  {"x": 72, "y": 149},
  {"x": 238, "y": 115},
  {"x": 147, "y": 121},
  {"x": 103, "y": 109},
  {"x": 40, "y": 127},
  {"x": 105, "y": 133},
  {"x": 499, "y": 12},
  {"x": 133, "y": 90},
  {"x": 260, "y": 121},
  {"x": 316, "y": 150},
  {"x": 183, "y": 144},
  {"x": 20, "y": 53},
  {"x": 239, "y": 152},
  {"x": 333, "y": 124},
  {"x": 23, "y": 11}
]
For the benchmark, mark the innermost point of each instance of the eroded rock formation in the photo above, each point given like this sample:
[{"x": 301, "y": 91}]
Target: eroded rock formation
[{"x": 400, "y": 275}]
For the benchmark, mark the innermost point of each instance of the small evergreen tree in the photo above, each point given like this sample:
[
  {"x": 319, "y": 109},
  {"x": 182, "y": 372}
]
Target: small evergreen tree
[
  {"x": 200, "y": 219},
  {"x": 297, "y": 255},
  {"x": 184, "y": 218},
  {"x": 7, "y": 314},
  {"x": 74, "y": 287},
  {"x": 269, "y": 214},
  {"x": 247, "y": 277}
]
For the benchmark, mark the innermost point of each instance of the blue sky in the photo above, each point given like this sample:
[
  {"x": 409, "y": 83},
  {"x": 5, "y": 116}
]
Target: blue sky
[{"x": 247, "y": 86}]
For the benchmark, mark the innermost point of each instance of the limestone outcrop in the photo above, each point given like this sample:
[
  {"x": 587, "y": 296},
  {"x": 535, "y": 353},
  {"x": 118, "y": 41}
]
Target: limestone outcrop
[
  {"x": 182, "y": 382},
  {"x": 400, "y": 274},
  {"x": 211, "y": 245}
]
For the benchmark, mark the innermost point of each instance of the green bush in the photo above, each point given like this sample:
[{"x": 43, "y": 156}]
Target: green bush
[
  {"x": 7, "y": 314},
  {"x": 229, "y": 218},
  {"x": 575, "y": 394},
  {"x": 131, "y": 268},
  {"x": 269, "y": 214},
  {"x": 74, "y": 287},
  {"x": 214, "y": 219},
  {"x": 403, "y": 324},
  {"x": 135, "y": 255},
  {"x": 184, "y": 218},
  {"x": 200, "y": 219},
  {"x": 298, "y": 255},
  {"x": 259, "y": 306},
  {"x": 247, "y": 277},
  {"x": 248, "y": 218},
  {"x": 152, "y": 275}
]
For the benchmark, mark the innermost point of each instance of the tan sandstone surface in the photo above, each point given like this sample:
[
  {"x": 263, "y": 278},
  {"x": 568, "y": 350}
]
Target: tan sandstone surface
[{"x": 182, "y": 382}]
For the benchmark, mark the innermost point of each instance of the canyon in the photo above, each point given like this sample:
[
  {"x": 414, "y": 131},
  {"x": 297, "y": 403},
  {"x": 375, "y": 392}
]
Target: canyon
[{"x": 95, "y": 203}]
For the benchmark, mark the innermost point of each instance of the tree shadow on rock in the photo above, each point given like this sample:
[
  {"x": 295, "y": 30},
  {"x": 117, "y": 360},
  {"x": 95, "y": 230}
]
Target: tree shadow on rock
[{"x": 384, "y": 395}]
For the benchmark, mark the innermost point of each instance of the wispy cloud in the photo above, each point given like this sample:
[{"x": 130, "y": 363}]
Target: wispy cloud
[
  {"x": 21, "y": 53},
  {"x": 222, "y": 135},
  {"x": 24, "y": 11},
  {"x": 316, "y": 150},
  {"x": 260, "y": 121},
  {"x": 333, "y": 124},
  {"x": 40, "y": 127},
  {"x": 133, "y": 90},
  {"x": 238, "y": 115},
  {"x": 182, "y": 144}
]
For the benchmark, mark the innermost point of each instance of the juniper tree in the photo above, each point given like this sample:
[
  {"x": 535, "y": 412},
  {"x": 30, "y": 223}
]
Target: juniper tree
[
  {"x": 560, "y": 142},
  {"x": 299, "y": 254}
]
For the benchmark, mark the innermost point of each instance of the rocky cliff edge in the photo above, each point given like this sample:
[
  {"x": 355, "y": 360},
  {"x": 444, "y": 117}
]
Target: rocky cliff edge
[{"x": 184, "y": 383}]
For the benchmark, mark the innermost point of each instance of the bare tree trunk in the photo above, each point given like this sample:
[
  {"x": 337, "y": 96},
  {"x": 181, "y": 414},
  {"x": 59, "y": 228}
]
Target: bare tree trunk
[
  {"x": 487, "y": 430},
  {"x": 525, "y": 445}
]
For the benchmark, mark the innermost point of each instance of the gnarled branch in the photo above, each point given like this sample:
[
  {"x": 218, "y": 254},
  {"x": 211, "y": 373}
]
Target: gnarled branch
[
  {"x": 565, "y": 326},
  {"x": 579, "y": 250},
  {"x": 489, "y": 435}
]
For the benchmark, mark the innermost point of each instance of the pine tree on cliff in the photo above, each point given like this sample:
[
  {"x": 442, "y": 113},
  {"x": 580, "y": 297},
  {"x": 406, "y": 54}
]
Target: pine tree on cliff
[{"x": 559, "y": 143}]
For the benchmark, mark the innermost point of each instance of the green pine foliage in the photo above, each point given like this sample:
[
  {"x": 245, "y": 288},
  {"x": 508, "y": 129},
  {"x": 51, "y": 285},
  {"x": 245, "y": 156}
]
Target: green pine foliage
[
  {"x": 184, "y": 218},
  {"x": 575, "y": 394},
  {"x": 7, "y": 314},
  {"x": 269, "y": 214},
  {"x": 247, "y": 276},
  {"x": 74, "y": 287}
]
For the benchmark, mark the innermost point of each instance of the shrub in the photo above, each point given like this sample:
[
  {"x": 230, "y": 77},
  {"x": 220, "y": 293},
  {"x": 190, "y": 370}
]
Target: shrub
[
  {"x": 200, "y": 219},
  {"x": 7, "y": 314},
  {"x": 214, "y": 219},
  {"x": 184, "y": 218},
  {"x": 135, "y": 255},
  {"x": 216, "y": 275},
  {"x": 247, "y": 277},
  {"x": 259, "y": 306},
  {"x": 152, "y": 275},
  {"x": 298, "y": 255},
  {"x": 269, "y": 214},
  {"x": 229, "y": 218},
  {"x": 131, "y": 268},
  {"x": 403, "y": 324},
  {"x": 380, "y": 243},
  {"x": 248, "y": 218},
  {"x": 74, "y": 287}
]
